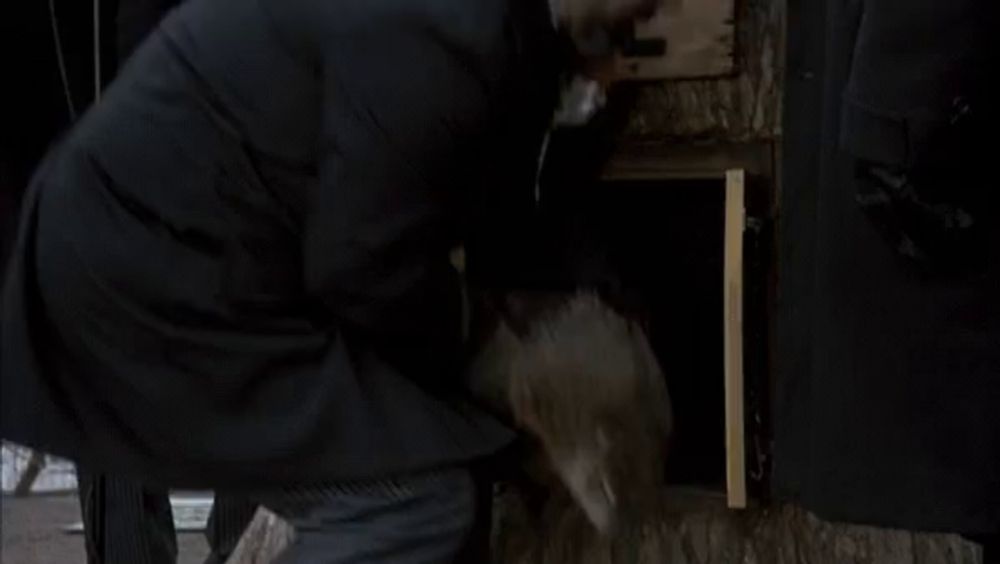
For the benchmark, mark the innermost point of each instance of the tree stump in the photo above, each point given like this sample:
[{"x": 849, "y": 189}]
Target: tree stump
[
  {"x": 690, "y": 528},
  {"x": 693, "y": 527}
]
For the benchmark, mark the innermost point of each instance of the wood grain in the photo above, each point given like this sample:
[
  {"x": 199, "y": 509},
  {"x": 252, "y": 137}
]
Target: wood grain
[
  {"x": 690, "y": 527},
  {"x": 743, "y": 107},
  {"x": 736, "y": 482}
]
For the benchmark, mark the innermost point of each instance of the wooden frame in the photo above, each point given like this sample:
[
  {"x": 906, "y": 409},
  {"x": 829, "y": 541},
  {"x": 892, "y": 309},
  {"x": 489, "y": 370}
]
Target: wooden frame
[{"x": 732, "y": 296}]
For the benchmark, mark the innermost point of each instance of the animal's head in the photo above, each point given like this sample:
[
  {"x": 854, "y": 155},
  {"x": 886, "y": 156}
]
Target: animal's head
[{"x": 586, "y": 385}]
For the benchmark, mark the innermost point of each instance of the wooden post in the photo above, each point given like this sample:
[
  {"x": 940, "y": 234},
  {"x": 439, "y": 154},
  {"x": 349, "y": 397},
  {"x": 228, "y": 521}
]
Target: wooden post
[{"x": 733, "y": 340}]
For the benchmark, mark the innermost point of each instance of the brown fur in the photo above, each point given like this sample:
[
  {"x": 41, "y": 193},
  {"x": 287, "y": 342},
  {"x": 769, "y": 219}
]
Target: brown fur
[{"x": 578, "y": 371}]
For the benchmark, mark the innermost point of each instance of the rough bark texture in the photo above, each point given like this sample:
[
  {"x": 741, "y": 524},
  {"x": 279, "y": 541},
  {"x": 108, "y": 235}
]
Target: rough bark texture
[
  {"x": 691, "y": 528},
  {"x": 743, "y": 108},
  {"x": 694, "y": 528}
]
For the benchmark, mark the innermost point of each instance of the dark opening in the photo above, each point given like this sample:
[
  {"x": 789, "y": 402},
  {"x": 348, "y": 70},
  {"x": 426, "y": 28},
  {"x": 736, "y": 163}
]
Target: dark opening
[{"x": 664, "y": 240}]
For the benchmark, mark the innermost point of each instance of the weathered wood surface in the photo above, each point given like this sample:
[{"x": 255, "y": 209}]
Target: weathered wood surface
[
  {"x": 691, "y": 528},
  {"x": 694, "y": 528},
  {"x": 699, "y": 37},
  {"x": 745, "y": 107},
  {"x": 266, "y": 537}
]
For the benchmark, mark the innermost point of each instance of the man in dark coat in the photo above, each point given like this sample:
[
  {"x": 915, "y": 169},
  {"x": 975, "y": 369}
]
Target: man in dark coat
[
  {"x": 126, "y": 521},
  {"x": 889, "y": 329},
  {"x": 234, "y": 272}
]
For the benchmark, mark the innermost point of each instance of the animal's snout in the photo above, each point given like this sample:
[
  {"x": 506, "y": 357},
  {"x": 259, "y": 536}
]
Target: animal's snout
[{"x": 591, "y": 487}]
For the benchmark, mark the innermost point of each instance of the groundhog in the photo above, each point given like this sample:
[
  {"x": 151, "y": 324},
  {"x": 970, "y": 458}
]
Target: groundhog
[{"x": 582, "y": 381}]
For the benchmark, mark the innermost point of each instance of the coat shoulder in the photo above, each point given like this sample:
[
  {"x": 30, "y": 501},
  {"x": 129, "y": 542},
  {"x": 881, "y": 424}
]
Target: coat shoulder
[{"x": 322, "y": 23}]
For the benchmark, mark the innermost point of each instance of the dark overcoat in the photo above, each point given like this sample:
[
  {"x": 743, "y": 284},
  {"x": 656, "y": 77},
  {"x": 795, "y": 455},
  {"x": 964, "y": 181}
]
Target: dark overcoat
[
  {"x": 235, "y": 269},
  {"x": 888, "y": 383}
]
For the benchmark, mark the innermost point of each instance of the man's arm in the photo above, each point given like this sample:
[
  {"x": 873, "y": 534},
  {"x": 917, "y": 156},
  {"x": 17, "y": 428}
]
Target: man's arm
[{"x": 406, "y": 103}]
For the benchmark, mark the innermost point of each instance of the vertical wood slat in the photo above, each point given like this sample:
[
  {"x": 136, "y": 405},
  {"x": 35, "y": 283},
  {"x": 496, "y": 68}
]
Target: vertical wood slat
[{"x": 735, "y": 225}]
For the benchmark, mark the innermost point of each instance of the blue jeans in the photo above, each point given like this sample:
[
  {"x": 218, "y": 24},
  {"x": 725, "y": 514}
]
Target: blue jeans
[{"x": 434, "y": 518}]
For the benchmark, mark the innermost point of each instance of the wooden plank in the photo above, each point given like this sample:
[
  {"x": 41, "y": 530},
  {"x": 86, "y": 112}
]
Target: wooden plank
[
  {"x": 699, "y": 39},
  {"x": 690, "y": 161},
  {"x": 733, "y": 346}
]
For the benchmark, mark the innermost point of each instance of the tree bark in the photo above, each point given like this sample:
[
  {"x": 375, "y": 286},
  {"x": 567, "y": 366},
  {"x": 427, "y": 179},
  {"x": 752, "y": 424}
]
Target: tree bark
[{"x": 688, "y": 528}]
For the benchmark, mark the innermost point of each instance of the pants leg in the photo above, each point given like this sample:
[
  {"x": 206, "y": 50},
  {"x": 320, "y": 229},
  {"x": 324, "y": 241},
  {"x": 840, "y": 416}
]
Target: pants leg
[
  {"x": 230, "y": 516},
  {"x": 125, "y": 522},
  {"x": 421, "y": 519}
]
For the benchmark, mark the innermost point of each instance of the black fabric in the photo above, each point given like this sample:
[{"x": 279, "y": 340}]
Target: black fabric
[
  {"x": 218, "y": 281},
  {"x": 124, "y": 522},
  {"x": 888, "y": 375},
  {"x": 909, "y": 63},
  {"x": 128, "y": 523},
  {"x": 430, "y": 518},
  {"x": 556, "y": 246}
]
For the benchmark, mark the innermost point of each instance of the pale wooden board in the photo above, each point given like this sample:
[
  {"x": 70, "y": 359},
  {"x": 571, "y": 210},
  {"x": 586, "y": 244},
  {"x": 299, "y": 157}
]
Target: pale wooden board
[
  {"x": 700, "y": 36},
  {"x": 733, "y": 346}
]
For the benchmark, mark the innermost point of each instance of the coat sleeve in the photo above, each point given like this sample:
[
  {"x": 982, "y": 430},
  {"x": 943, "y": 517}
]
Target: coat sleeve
[{"x": 403, "y": 117}]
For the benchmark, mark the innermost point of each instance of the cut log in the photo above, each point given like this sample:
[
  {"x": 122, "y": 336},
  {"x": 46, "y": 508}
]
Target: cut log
[
  {"x": 27, "y": 480},
  {"x": 692, "y": 528},
  {"x": 697, "y": 528},
  {"x": 744, "y": 107}
]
